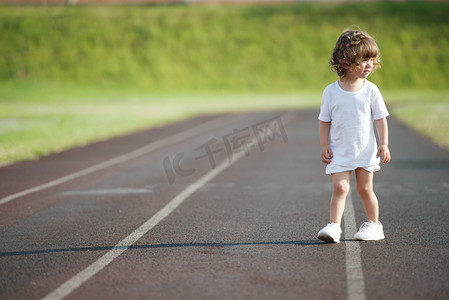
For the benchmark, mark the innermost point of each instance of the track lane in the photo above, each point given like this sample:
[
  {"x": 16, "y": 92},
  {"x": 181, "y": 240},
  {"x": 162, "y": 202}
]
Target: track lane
[
  {"x": 248, "y": 233},
  {"x": 69, "y": 216}
]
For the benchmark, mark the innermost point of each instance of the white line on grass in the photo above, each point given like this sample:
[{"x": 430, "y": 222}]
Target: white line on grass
[
  {"x": 119, "y": 159},
  {"x": 354, "y": 273}
]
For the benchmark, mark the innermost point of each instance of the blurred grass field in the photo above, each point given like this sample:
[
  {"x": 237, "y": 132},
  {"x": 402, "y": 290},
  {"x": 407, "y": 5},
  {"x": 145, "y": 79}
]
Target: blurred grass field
[{"x": 72, "y": 75}]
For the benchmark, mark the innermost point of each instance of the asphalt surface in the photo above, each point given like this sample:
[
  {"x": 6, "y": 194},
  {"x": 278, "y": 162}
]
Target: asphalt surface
[{"x": 252, "y": 194}]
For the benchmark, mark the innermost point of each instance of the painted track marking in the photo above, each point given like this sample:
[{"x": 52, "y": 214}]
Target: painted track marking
[
  {"x": 119, "y": 191},
  {"x": 119, "y": 159},
  {"x": 76, "y": 281},
  {"x": 354, "y": 273}
]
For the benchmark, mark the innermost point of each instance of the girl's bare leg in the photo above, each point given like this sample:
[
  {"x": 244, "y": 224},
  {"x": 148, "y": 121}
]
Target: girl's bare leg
[
  {"x": 365, "y": 190},
  {"x": 340, "y": 190}
]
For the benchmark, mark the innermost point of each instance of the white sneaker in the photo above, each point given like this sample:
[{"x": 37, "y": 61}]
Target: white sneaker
[
  {"x": 330, "y": 234},
  {"x": 370, "y": 231}
]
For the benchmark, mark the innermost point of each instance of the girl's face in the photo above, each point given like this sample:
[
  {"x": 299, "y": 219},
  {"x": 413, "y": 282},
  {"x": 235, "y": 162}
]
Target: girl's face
[{"x": 363, "y": 69}]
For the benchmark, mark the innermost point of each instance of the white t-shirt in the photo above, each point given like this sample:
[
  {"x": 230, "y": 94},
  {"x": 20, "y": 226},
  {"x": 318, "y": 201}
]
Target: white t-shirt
[{"x": 352, "y": 115}]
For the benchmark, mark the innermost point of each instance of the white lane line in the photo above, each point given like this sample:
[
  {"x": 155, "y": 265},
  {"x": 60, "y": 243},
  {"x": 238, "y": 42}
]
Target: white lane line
[
  {"x": 120, "y": 191},
  {"x": 76, "y": 281},
  {"x": 120, "y": 159},
  {"x": 354, "y": 273}
]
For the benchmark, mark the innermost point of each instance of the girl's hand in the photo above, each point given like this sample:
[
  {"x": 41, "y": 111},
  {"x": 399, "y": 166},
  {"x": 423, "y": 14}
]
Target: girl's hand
[
  {"x": 326, "y": 154},
  {"x": 385, "y": 152}
]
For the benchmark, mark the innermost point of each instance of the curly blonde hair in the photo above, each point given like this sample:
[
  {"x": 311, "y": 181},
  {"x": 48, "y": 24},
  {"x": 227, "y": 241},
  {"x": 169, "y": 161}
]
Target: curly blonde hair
[{"x": 351, "y": 48}]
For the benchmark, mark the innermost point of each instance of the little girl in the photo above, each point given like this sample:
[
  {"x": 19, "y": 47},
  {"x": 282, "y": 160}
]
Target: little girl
[{"x": 349, "y": 108}]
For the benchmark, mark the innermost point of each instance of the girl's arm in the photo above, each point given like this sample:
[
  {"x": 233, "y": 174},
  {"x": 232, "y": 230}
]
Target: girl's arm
[
  {"x": 326, "y": 152},
  {"x": 382, "y": 131}
]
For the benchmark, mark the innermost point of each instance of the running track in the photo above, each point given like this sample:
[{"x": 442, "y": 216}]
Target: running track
[{"x": 220, "y": 207}]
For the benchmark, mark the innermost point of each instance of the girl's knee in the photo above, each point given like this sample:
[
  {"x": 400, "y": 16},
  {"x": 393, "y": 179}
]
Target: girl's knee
[
  {"x": 341, "y": 188},
  {"x": 364, "y": 189}
]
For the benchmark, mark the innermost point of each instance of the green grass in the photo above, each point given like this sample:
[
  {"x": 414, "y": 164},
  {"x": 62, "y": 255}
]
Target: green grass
[
  {"x": 216, "y": 48},
  {"x": 425, "y": 111},
  {"x": 430, "y": 119},
  {"x": 73, "y": 75},
  {"x": 31, "y": 129}
]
